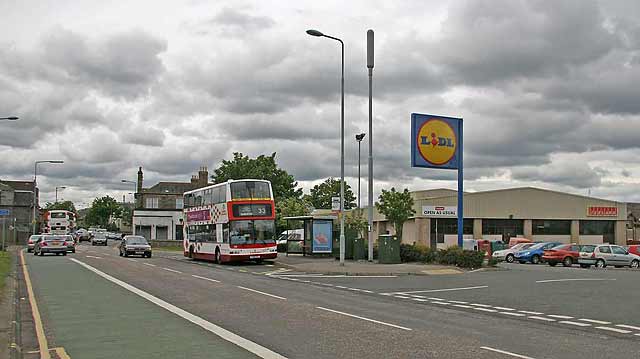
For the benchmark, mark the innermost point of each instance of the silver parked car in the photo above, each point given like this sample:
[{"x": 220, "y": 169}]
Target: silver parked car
[
  {"x": 508, "y": 254},
  {"x": 605, "y": 254},
  {"x": 52, "y": 244},
  {"x": 99, "y": 239},
  {"x": 134, "y": 245}
]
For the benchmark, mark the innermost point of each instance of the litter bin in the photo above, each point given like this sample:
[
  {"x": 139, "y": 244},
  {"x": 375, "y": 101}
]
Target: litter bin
[
  {"x": 358, "y": 249},
  {"x": 388, "y": 249}
]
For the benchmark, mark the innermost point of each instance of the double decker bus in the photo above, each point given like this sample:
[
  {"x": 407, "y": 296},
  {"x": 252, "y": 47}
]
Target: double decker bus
[
  {"x": 231, "y": 221},
  {"x": 59, "y": 222}
]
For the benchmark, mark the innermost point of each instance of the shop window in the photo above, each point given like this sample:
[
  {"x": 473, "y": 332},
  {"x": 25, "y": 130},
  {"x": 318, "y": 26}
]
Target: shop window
[
  {"x": 551, "y": 227},
  {"x": 511, "y": 227}
]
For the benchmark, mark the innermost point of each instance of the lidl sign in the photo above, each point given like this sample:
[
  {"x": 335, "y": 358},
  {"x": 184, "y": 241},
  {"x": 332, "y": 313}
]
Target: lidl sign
[{"x": 435, "y": 141}]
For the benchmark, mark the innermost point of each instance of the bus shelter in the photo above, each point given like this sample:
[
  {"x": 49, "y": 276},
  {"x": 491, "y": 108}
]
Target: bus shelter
[{"x": 313, "y": 236}]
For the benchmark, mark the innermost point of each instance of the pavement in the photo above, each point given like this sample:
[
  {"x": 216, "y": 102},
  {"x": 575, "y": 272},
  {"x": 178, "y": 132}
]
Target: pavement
[
  {"x": 330, "y": 265},
  {"x": 96, "y": 304}
]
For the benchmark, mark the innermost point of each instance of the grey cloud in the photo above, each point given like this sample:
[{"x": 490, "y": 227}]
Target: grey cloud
[
  {"x": 571, "y": 173},
  {"x": 144, "y": 135},
  {"x": 242, "y": 21}
]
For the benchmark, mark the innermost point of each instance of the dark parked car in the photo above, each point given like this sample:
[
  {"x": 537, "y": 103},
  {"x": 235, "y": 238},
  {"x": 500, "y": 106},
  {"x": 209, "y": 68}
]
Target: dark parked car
[{"x": 134, "y": 245}]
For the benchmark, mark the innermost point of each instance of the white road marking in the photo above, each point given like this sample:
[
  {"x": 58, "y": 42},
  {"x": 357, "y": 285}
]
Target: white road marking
[
  {"x": 481, "y": 305},
  {"x": 441, "y": 303},
  {"x": 595, "y": 321},
  {"x": 485, "y": 309},
  {"x": 279, "y": 270},
  {"x": 132, "y": 260},
  {"x": 94, "y": 257},
  {"x": 507, "y": 353},
  {"x": 512, "y": 314},
  {"x": 205, "y": 278},
  {"x": 254, "y": 348},
  {"x": 574, "y": 280},
  {"x": 418, "y": 296},
  {"x": 542, "y": 318},
  {"x": 367, "y": 319},
  {"x": 263, "y": 293},
  {"x": 528, "y": 312},
  {"x": 462, "y": 306},
  {"x": 420, "y": 300},
  {"x": 577, "y": 324},
  {"x": 628, "y": 326},
  {"x": 559, "y": 316},
  {"x": 441, "y": 290},
  {"x": 504, "y": 308},
  {"x": 355, "y": 289},
  {"x": 149, "y": 264},
  {"x": 622, "y": 331},
  {"x": 171, "y": 270},
  {"x": 367, "y": 291},
  {"x": 401, "y": 297},
  {"x": 439, "y": 299},
  {"x": 458, "y": 302},
  {"x": 341, "y": 286}
]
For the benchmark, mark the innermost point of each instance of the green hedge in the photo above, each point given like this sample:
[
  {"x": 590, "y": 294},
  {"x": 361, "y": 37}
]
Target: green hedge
[{"x": 450, "y": 256}]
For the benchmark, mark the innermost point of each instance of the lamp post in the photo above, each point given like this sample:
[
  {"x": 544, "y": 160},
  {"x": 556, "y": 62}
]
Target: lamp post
[
  {"x": 135, "y": 186},
  {"x": 370, "y": 167},
  {"x": 35, "y": 199},
  {"x": 319, "y": 34},
  {"x": 11, "y": 118},
  {"x": 359, "y": 138},
  {"x": 57, "y": 188}
]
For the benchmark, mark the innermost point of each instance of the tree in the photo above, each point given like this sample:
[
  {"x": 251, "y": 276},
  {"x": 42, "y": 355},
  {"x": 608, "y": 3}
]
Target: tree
[
  {"x": 397, "y": 207},
  {"x": 66, "y": 205},
  {"x": 357, "y": 221},
  {"x": 321, "y": 194},
  {"x": 101, "y": 210},
  {"x": 290, "y": 207},
  {"x": 261, "y": 167}
]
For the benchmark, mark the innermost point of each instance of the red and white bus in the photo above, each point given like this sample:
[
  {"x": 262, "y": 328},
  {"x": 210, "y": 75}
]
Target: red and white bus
[
  {"x": 59, "y": 222},
  {"x": 231, "y": 221}
]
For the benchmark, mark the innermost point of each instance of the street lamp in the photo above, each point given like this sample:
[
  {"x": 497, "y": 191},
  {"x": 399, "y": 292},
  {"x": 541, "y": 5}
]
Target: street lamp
[
  {"x": 57, "y": 188},
  {"x": 35, "y": 200},
  {"x": 11, "y": 118},
  {"x": 359, "y": 138},
  {"x": 319, "y": 34}
]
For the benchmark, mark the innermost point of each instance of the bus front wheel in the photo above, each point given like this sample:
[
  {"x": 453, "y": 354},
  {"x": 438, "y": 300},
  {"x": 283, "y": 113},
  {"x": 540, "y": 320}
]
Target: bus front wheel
[
  {"x": 218, "y": 257},
  {"x": 191, "y": 252}
]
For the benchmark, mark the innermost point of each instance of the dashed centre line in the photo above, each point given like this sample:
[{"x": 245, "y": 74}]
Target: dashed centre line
[
  {"x": 205, "y": 278},
  {"x": 149, "y": 264},
  {"x": 628, "y": 327},
  {"x": 263, "y": 293},
  {"x": 542, "y": 318},
  {"x": 363, "y": 318},
  {"x": 621, "y": 331},
  {"x": 506, "y": 353},
  {"x": 171, "y": 270},
  {"x": 559, "y": 316},
  {"x": 577, "y": 324},
  {"x": 596, "y": 321}
]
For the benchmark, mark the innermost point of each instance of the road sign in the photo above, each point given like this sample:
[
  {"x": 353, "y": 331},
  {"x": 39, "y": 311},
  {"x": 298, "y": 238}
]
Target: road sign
[
  {"x": 5, "y": 212},
  {"x": 335, "y": 203}
]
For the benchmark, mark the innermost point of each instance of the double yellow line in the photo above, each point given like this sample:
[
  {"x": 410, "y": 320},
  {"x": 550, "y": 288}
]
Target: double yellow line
[{"x": 37, "y": 320}]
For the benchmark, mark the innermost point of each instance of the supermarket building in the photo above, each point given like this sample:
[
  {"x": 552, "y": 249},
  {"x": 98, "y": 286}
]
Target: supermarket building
[{"x": 533, "y": 213}]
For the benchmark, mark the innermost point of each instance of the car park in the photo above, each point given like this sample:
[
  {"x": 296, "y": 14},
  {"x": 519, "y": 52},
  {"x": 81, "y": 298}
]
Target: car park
[
  {"x": 508, "y": 255},
  {"x": 567, "y": 254},
  {"x": 32, "y": 242},
  {"x": 134, "y": 245},
  {"x": 52, "y": 244},
  {"x": 609, "y": 255},
  {"x": 99, "y": 239},
  {"x": 534, "y": 253}
]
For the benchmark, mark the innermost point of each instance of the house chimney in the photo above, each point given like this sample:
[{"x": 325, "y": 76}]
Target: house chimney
[
  {"x": 194, "y": 180},
  {"x": 140, "y": 178},
  {"x": 203, "y": 177}
]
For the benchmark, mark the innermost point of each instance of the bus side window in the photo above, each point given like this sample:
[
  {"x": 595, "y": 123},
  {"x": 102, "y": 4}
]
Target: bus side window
[
  {"x": 211, "y": 228},
  {"x": 216, "y": 195},
  {"x": 223, "y": 194},
  {"x": 225, "y": 233}
]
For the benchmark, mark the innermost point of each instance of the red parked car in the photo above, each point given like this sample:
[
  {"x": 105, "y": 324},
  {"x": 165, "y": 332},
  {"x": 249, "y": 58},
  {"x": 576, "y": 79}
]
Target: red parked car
[
  {"x": 634, "y": 248},
  {"x": 567, "y": 254}
]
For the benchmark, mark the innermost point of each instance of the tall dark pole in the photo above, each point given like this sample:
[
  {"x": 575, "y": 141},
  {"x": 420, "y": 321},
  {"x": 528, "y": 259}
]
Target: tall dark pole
[
  {"x": 342, "y": 244},
  {"x": 358, "y": 174},
  {"x": 370, "y": 194}
]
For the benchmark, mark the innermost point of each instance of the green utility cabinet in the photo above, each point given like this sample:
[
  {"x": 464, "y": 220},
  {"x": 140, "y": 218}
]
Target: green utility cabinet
[
  {"x": 359, "y": 251},
  {"x": 388, "y": 249}
]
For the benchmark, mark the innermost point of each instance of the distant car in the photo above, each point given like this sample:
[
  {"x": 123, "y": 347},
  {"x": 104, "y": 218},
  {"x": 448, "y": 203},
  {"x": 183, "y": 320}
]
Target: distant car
[
  {"x": 634, "y": 248},
  {"x": 508, "y": 255},
  {"x": 83, "y": 235},
  {"x": 99, "y": 239},
  {"x": 585, "y": 252},
  {"x": 71, "y": 244},
  {"x": 134, "y": 245},
  {"x": 52, "y": 244},
  {"x": 517, "y": 240},
  {"x": 111, "y": 235},
  {"x": 32, "y": 242},
  {"x": 534, "y": 253},
  {"x": 567, "y": 254},
  {"x": 605, "y": 254}
]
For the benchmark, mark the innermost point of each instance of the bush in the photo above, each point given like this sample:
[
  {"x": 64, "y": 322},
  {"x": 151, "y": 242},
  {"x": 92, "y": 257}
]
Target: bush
[
  {"x": 470, "y": 259},
  {"x": 418, "y": 253},
  {"x": 451, "y": 256},
  {"x": 493, "y": 262}
]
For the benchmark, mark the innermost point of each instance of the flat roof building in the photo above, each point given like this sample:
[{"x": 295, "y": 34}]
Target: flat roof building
[{"x": 533, "y": 213}]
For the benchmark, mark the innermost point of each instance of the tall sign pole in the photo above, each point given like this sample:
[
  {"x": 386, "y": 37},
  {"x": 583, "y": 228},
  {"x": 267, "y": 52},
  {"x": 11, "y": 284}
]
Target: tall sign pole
[
  {"x": 436, "y": 142},
  {"x": 370, "y": 167}
]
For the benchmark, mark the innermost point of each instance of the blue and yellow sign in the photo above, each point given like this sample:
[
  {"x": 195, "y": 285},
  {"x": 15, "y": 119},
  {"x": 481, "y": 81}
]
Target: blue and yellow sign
[{"x": 435, "y": 141}]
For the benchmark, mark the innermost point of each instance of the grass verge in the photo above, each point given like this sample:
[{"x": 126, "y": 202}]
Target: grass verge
[{"x": 5, "y": 264}]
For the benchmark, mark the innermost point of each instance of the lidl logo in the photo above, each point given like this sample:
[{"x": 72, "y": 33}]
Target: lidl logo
[{"x": 436, "y": 142}]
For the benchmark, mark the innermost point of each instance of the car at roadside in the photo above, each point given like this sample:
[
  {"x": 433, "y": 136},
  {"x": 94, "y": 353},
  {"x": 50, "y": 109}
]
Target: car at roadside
[
  {"x": 634, "y": 248},
  {"x": 52, "y": 244},
  {"x": 114, "y": 236},
  {"x": 82, "y": 235},
  {"x": 99, "y": 239},
  {"x": 134, "y": 245},
  {"x": 534, "y": 253},
  {"x": 31, "y": 242},
  {"x": 604, "y": 255},
  {"x": 71, "y": 244},
  {"x": 567, "y": 254},
  {"x": 508, "y": 255}
]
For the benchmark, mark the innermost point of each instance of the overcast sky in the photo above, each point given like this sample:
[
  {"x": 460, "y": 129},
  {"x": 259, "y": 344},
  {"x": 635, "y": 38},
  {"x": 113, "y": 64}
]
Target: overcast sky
[{"x": 548, "y": 90}]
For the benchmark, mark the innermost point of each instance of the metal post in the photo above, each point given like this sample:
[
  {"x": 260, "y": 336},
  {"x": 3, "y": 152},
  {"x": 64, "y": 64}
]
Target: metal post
[
  {"x": 35, "y": 200},
  {"x": 342, "y": 244},
  {"x": 460, "y": 187},
  {"x": 56, "y": 194},
  {"x": 4, "y": 233},
  {"x": 358, "y": 174},
  {"x": 370, "y": 167}
]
